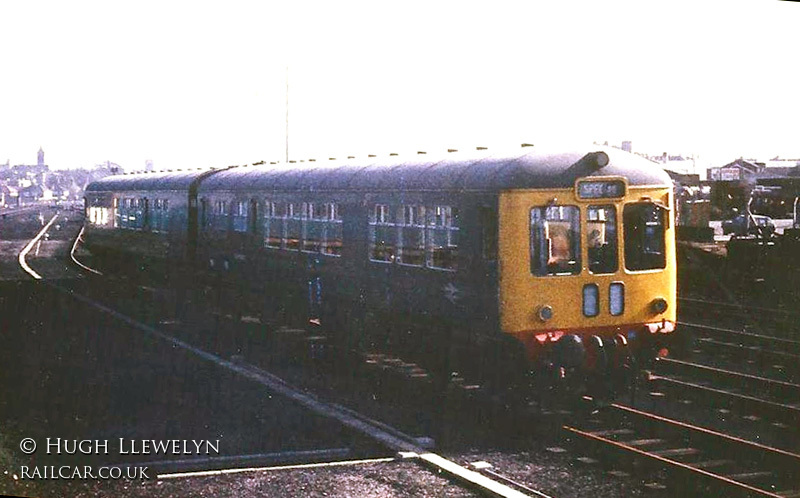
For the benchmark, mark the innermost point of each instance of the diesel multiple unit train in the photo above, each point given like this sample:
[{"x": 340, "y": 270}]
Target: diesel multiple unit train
[{"x": 505, "y": 264}]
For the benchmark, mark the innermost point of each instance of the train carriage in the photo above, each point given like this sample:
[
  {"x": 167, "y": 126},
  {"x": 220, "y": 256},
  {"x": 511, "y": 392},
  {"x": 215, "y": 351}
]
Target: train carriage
[
  {"x": 507, "y": 263},
  {"x": 143, "y": 221}
]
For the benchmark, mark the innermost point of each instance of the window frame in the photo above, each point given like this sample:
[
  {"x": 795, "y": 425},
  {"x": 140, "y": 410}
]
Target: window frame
[{"x": 575, "y": 245}]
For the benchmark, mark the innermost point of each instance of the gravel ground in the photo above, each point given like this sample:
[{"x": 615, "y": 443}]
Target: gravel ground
[{"x": 397, "y": 479}]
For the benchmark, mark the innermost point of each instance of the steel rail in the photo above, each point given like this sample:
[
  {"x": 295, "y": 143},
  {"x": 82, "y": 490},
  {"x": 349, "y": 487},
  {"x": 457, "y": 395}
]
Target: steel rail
[
  {"x": 790, "y": 360},
  {"x": 24, "y": 252},
  {"x": 772, "y": 458},
  {"x": 673, "y": 463},
  {"x": 741, "y": 334},
  {"x": 786, "y": 457},
  {"x": 777, "y": 410},
  {"x": 217, "y": 472},
  {"x": 75, "y": 260},
  {"x": 777, "y": 387},
  {"x": 746, "y": 307}
]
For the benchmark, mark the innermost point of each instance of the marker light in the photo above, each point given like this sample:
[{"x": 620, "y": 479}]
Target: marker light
[
  {"x": 658, "y": 305},
  {"x": 601, "y": 159},
  {"x": 545, "y": 313}
]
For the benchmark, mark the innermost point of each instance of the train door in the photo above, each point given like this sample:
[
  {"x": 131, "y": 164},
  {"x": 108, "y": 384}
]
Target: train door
[
  {"x": 253, "y": 242},
  {"x": 145, "y": 213},
  {"x": 252, "y": 217}
]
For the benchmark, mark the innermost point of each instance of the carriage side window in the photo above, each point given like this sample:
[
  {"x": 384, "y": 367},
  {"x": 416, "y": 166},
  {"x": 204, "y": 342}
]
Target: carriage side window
[
  {"x": 332, "y": 241},
  {"x": 98, "y": 215},
  {"x": 219, "y": 218},
  {"x": 240, "y": 216},
  {"x": 274, "y": 220},
  {"x": 137, "y": 222},
  {"x": 555, "y": 240},
  {"x": 294, "y": 227},
  {"x": 115, "y": 212},
  {"x": 315, "y": 219},
  {"x": 442, "y": 237},
  {"x": 382, "y": 234},
  {"x": 132, "y": 213},
  {"x": 122, "y": 212},
  {"x": 159, "y": 216},
  {"x": 601, "y": 239},
  {"x": 644, "y": 230},
  {"x": 411, "y": 242}
]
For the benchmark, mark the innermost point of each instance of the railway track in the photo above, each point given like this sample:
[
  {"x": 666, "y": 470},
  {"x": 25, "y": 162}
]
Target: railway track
[
  {"x": 766, "y": 355},
  {"x": 738, "y": 314},
  {"x": 778, "y": 399},
  {"x": 721, "y": 464}
]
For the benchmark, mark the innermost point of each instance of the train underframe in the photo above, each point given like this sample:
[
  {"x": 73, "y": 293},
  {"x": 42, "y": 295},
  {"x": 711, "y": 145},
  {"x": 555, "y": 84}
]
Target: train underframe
[{"x": 531, "y": 367}]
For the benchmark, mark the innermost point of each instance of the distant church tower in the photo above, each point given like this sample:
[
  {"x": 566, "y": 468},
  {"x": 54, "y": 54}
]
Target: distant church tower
[{"x": 40, "y": 161}]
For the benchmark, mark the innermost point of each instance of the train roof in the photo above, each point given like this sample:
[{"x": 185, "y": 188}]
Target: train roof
[
  {"x": 179, "y": 181},
  {"x": 479, "y": 170}
]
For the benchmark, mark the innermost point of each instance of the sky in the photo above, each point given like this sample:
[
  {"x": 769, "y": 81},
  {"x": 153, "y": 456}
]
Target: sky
[{"x": 201, "y": 84}]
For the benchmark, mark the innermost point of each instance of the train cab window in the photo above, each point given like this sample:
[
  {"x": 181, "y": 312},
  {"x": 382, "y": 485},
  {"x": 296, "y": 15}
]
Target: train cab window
[
  {"x": 274, "y": 218},
  {"x": 411, "y": 243},
  {"x": 443, "y": 229},
  {"x": 240, "y": 213},
  {"x": 555, "y": 240},
  {"x": 601, "y": 239},
  {"x": 644, "y": 231},
  {"x": 294, "y": 227},
  {"x": 382, "y": 234}
]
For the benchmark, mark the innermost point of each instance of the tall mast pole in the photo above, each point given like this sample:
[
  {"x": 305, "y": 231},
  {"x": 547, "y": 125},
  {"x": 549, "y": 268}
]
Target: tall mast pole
[{"x": 287, "y": 114}]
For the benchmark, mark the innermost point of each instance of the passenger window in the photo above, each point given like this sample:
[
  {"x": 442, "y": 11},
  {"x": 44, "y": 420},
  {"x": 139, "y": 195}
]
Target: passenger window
[
  {"x": 382, "y": 234},
  {"x": 159, "y": 217},
  {"x": 98, "y": 215},
  {"x": 555, "y": 240},
  {"x": 274, "y": 219},
  {"x": 240, "y": 216},
  {"x": 314, "y": 226},
  {"x": 332, "y": 242},
  {"x": 220, "y": 219},
  {"x": 294, "y": 227},
  {"x": 411, "y": 246},
  {"x": 443, "y": 229},
  {"x": 116, "y": 212},
  {"x": 601, "y": 239}
]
